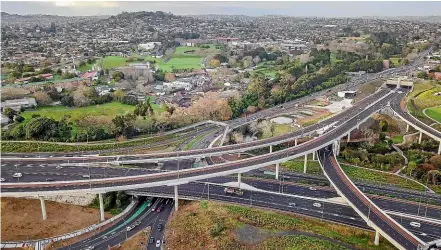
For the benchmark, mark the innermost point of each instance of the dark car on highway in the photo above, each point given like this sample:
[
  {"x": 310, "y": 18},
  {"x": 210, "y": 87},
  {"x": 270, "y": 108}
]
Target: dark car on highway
[
  {"x": 159, "y": 226},
  {"x": 151, "y": 240}
]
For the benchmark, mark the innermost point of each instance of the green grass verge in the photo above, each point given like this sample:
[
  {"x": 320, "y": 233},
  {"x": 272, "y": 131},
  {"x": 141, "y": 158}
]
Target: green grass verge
[
  {"x": 26, "y": 147},
  {"x": 366, "y": 175},
  {"x": 111, "y": 109},
  {"x": 313, "y": 167},
  {"x": 196, "y": 139},
  {"x": 276, "y": 221},
  {"x": 299, "y": 242},
  {"x": 397, "y": 139},
  {"x": 434, "y": 113}
]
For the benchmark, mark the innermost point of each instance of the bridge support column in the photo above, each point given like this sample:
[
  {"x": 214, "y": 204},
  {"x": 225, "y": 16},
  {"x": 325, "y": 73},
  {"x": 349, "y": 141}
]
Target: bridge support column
[
  {"x": 271, "y": 148},
  {"x": 349, "y": 136},
  {"x": 420, "y": 138},
  {"x": 100, "y": 197},
  {"x": 239, "y": 178},
  {"x": 439, "y": 148},
  {"x": 377, "y": 238},
  {"x": 313, "y": 155},
  {"x": 305, "y": 164},
  {"x": 407, "y": 127},
  {"x": 176, "y": 198},
  {"x": 277, "y": 170},
  {"x": 43, "y": 208},
  {"x": 295, "y": 142}
]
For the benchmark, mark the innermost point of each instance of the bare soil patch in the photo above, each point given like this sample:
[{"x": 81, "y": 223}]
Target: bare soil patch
[{"x": 22, "y": 219}]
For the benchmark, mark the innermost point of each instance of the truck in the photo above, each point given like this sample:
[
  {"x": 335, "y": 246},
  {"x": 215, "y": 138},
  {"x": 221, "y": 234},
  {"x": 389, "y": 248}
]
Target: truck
[{"x": 232, "y": 190}]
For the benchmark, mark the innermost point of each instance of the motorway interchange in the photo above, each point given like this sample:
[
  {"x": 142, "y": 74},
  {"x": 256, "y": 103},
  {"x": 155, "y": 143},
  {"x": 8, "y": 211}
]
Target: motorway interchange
[{"x": 339, "y": 125}]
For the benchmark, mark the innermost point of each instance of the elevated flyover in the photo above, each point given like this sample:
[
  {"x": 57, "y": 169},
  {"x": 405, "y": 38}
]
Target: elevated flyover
[
  {"x": 334, "y": 134},
  {"x": 371, "y": 213},
  {"x": 334, "y": 121}
]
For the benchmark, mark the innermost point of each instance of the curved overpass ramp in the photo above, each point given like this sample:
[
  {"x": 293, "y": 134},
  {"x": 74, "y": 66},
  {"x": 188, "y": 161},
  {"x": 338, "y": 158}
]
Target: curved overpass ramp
[
  {"x": 187, "y": 175},
  {"x": 372, "y": 214},
  {"x": 338, "y": 120}
]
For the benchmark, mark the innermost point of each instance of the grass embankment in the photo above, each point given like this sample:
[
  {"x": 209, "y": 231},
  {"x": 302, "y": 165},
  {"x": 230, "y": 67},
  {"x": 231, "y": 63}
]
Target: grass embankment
[
  {"x": 379, "y": 178},
  {"x": 195, "y": 140},
  {"x": 422, "y": 97},
  {"x": 313, "y": 167},
  {"x": 27, "y": 147},
  {"x": 397, "y": 139},
  {"x": 210, "y": 225},
  {"x": 136, "y": 242},
  {"x": 434, "y": 113},
  {"x": 367, "y": 89}
]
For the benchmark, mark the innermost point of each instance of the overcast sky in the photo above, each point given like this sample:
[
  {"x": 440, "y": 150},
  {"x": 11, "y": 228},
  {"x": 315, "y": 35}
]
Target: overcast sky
[{"x": 326, "y": 9}]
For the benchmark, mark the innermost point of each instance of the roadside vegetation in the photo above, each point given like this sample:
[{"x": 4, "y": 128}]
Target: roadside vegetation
[
  {"x": 422, "y": 97},
  {"x": 210, "y": 225}
]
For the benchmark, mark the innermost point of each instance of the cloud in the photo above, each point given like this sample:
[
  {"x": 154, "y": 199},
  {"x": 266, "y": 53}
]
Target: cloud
[{"x": 103, "y": 4}]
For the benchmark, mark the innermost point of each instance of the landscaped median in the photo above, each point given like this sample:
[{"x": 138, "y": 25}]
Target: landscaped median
[
  {"x": 211, "y": 225},
  {"x": 30, "y": 146}
]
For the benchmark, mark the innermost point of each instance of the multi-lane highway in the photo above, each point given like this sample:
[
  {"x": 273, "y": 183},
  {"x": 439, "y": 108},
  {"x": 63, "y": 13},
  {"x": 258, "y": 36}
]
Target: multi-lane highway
[
  {"x": 371, "y": 213},
  {"x": 145, "y": 213},
  {"x": 350, "y": 120},
  {"x": 332, "y": 211}
]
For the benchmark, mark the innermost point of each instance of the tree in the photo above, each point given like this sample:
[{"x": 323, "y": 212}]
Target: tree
[
  {"x": 214, "y": 63},
  {"x": 436, "y": 161},
  {"x": 356, "y": 161},
  {"x": 411, "y": 166},
  {"x": 42, "y": 98},
  {"x": 10, "y": 113},
  {"x": 19, "y": 118},
  {"x": 383, "y": 126},
  {"x": 434, "y": 174},
  {"x": 169, "y": 77},
  {"x": 123, "y": 125},
  {"x": 118, "y": 95},
  {"x": 422, "y": 75},
  {"x": 67, "y": 101},
  {"x": 117, "y": 76}
]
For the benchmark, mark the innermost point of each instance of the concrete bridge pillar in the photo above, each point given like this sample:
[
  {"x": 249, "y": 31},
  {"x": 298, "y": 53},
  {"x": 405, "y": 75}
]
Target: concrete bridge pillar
[
  {"x": 377, "y": 238},
  {"x": 305, "y": 164},
  {"x": 271, "y": 148},
  {"x": 313, "y": 155},
  {"x": 420, "y": 138},
  {"x": 349, "y": 136},
  {"x": 239, "y": 178},
  {"x": 100, "y": 197},
  {"x": 43, "y": 208},
  {"x": 407, "y": 128},
  {"x": 277, "y": 170},
  {"x": 295, "y": 142},
  {"x": 439, "y": 148},
  {"x": 176, "y": 198}
]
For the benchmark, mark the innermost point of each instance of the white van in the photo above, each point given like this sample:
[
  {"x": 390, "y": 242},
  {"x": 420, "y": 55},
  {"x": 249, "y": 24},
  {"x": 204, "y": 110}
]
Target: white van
[{"x": 415, "y": 224}]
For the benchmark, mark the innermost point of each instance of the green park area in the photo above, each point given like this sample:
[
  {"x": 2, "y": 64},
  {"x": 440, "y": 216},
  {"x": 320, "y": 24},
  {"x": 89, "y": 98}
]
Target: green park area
[
  {"x": 334, "y": 58},
  {"x": 184, "y": 57},
  {"x": 57, "y": 112},
  {"x": 434, "y": 113},
  {"x": 423, "y": 96}
]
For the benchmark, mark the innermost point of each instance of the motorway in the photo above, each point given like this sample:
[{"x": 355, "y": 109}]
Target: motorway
[
  {"x": 364, "y": 207},
  {"x": 117, "y": 233},
  {"x": 351, "y": 119},
  {"x": 328, "y": 211},
  {"x": 336, "y": 120}
]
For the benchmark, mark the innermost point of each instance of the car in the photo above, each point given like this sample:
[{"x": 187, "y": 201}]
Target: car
[
  {"x": 129, "y": 228},
  {"x": 2, "y": 179},
  {"x": 292, "y": 204},
  {"x": 59, "y": 167},
  {"x": 316, "y": 204},
  {"x": 49, "y": 179},
  {"x": 90, "y": 248},
  {"x": 104, "y": 237},
  {"x": 312, "y": 188},
  {"x": 415, "y": 224},
  {"x": 137, "y": 222},
  {"x": 158, "y": 243},
  {"x": 159, "y": 226},
  {"x": 86, "y": 176},
  {"x": 160, "y": 208},
  {"x": 151, "y": 240},
  {"x": 17, "y": 175}
]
